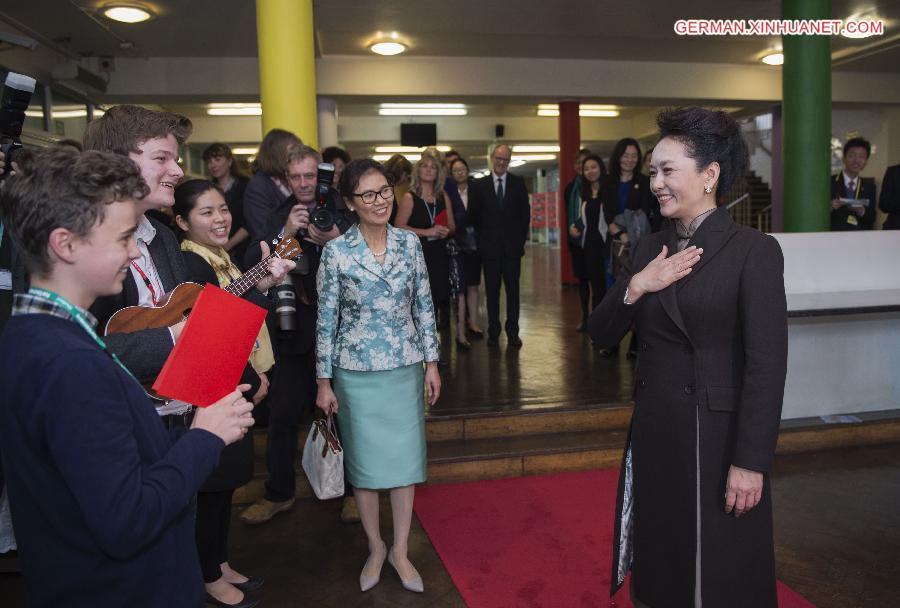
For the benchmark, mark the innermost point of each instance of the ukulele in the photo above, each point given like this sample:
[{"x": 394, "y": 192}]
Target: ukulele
[{"x": 177, "y": 305}]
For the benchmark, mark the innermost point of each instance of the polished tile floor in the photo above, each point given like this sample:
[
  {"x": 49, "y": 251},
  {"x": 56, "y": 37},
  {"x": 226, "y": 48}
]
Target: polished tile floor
[{"x": 556, "y": 367}]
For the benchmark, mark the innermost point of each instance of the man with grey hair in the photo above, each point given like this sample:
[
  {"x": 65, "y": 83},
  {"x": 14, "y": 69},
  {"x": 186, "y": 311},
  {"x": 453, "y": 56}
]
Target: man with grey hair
[
  {"x": 293, "y": 387},
  {"x": 500, "y": 212}
]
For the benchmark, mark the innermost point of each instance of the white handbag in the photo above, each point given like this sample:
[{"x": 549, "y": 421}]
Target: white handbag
[{"x": 323, "y": 460}]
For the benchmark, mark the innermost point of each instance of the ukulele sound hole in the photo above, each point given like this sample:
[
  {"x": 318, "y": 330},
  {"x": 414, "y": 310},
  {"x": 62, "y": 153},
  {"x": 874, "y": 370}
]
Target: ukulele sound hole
[{"x": 185, "y": 313}]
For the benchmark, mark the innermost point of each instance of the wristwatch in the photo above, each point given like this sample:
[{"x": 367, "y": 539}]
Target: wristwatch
[{"x": 625, "y": 299}]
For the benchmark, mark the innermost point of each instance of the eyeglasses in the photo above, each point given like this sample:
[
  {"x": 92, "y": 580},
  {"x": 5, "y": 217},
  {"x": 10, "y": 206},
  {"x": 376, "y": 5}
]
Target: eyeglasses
[{"x": 369, "y": 196}]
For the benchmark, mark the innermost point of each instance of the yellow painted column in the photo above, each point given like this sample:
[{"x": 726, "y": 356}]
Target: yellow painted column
[{"x": 287, "y": 67}]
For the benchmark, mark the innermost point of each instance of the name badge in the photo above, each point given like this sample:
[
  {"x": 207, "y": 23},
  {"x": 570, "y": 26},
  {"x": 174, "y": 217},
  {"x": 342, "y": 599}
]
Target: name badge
[{"x": 5, "y": 279}]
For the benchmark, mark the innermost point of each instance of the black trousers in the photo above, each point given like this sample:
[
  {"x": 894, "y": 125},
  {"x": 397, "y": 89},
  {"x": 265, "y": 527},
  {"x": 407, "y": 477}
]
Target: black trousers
[
  {"x": 211, "y": 532},
  {"x": 292, "y": 392},
  {"x": 595, "y": 268},
  {"x": 508, "y": 269}
]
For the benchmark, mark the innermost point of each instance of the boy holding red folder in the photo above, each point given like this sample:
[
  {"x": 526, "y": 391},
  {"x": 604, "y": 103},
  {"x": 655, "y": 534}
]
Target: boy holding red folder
[{"x": 99, "y": 490}]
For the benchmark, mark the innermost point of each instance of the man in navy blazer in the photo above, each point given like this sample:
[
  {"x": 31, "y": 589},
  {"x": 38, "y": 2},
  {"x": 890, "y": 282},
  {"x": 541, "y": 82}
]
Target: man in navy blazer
[
  {"x": 848, "y": 184},
  {"x": 501, "y": 214}
]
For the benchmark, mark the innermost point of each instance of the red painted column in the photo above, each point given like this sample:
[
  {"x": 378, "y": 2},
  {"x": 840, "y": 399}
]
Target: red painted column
[{"x": 569, "y": 144}]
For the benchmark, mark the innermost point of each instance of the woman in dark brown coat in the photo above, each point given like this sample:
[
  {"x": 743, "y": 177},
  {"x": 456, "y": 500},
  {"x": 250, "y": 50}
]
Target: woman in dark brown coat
[{"x": 694, "y": 513}]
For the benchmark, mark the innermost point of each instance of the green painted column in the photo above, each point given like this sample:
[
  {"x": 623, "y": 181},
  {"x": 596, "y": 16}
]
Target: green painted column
[{"x": 806, "y": 93}]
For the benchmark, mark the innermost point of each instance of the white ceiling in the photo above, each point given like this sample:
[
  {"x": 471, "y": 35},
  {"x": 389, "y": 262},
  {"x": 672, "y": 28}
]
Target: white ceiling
[{"x": 584, "y": 29}]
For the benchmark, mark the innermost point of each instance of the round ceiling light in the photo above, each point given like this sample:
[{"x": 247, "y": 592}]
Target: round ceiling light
[
  {"x": 776, "y": 58},
  {"x": 127, "y": 13},
  {"x": 387, "y": 43},
  {"x": 387, "y": 48}
]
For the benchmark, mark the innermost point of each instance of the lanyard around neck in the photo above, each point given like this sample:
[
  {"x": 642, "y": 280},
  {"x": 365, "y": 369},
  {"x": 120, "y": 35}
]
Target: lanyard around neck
[
  {"x": 431, "y": 212},
  {"x": 147, "y": 282},
  {"x": 80, "y": 319},
  {"x": 1, "y": 233}
]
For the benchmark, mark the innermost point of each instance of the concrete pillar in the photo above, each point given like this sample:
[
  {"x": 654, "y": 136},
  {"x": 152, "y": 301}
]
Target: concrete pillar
[{"x": 287, "y": 67}]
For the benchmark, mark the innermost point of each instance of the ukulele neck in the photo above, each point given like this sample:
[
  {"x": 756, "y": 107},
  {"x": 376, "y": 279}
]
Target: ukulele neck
[{"x": 243, "y": 283}]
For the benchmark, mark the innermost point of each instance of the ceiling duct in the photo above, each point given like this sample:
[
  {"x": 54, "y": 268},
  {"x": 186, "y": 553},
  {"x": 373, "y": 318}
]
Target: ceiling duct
[{"x": 73, "y": 73}]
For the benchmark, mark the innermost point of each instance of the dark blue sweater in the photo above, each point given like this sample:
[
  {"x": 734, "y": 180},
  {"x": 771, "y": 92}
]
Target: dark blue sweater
[{"x": 100, "y": 492}]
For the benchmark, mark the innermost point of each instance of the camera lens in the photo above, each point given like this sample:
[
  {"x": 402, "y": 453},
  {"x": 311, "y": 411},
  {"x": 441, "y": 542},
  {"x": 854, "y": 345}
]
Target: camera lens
[
  {"x": 322, "y": 218},
  {"x": 286, "y": 305}
]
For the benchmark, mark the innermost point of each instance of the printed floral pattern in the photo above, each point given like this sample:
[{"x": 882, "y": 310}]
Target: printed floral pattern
[{"x": 374, "y": 317}]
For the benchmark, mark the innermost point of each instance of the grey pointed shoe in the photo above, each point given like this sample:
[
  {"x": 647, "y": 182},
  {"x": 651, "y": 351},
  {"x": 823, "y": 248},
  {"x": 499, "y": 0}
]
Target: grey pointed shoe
[
  {"x": 413, "y": 584},
  {"x": 367, "y": 582}
]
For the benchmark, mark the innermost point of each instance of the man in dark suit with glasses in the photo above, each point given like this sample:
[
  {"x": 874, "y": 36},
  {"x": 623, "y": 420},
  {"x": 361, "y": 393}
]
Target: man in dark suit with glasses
[{"x": 501, "y": 214}]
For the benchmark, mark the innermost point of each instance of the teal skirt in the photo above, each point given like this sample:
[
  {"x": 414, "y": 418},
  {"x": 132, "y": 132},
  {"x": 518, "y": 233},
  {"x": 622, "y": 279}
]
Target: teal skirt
[{"x": 381, "y": 417}]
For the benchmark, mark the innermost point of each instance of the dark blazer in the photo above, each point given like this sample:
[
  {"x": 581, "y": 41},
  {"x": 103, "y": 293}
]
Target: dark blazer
[
  {"x": 712, "y": 359},
  {"x": 100, "y": 492},
  {"x": 639, "y": 197},
  {"x": 144, "y": 352},
  {"x": 890, "y": 197},
  {"x": 501, "y": 229},
  {"x": 840, "y": 215},
  {"x": 235, "y": 199},
  {"x": 236, "y": 464},
  {"x": 261, "y": 198}
]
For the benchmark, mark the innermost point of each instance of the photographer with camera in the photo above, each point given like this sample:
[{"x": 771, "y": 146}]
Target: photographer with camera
[
  {"x": 14, "y": 158},
  {"x": 315, "y": 213}
]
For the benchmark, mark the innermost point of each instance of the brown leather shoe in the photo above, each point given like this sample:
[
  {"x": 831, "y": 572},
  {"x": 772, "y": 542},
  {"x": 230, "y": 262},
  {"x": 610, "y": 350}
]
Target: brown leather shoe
[
  {"x": 349, "y": 510},
  {"x": 263, "y": 510}
]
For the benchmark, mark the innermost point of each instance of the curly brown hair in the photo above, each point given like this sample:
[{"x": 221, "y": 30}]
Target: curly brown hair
[{"x": 67, "y": 189}]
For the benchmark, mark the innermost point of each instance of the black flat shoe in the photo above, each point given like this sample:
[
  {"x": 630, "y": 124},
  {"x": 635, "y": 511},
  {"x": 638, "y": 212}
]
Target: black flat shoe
[
  {"x": 251, "y": 584},
  {"x": 247, "y": 602},
  {"x": 463, "y": 344},
  {"x": 475, "y": 334},
  {"x": 514, "y": 342}
]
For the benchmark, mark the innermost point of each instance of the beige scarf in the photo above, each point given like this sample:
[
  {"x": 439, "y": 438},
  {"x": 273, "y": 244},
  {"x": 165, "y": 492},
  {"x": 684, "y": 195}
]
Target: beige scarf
[{"x": 262, "y": 359}]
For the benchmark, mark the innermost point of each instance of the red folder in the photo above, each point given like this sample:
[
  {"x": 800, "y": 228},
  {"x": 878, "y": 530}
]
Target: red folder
[
  {"x": 212, "y": 351},
  {"x": 441, "y": 218}
]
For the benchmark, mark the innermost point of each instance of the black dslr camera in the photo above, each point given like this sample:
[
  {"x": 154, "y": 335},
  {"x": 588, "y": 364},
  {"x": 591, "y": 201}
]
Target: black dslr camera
[
  {"x": 322, "y": 217},
  {"x": 17, "y": 92}
]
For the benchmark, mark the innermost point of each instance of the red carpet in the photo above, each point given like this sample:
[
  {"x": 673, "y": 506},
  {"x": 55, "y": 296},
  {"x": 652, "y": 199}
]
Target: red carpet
[{"x": 531, "y": 542}]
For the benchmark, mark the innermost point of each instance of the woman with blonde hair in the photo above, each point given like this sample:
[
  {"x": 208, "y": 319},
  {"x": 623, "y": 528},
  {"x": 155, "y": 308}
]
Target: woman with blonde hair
[{"x": 426, "y": 210}]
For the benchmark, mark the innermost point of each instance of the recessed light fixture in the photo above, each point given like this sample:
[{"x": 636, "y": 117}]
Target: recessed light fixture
[
  {"x": 387, "y": 43},
  {"x": 407, "y": 149},
  {"x": 127, "y": 13},
  {"x": 530, "y": 148},
  {"x": 585, "y": 110},
  {"x": 234, "y": 109},
  {"x": 383, "y": 157},
  {"x": 64, "y": 111},
  {"x": 532, "y": 157},
  {"x": 773, "y": 58},
  {"x": 422, "y": 109}
]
